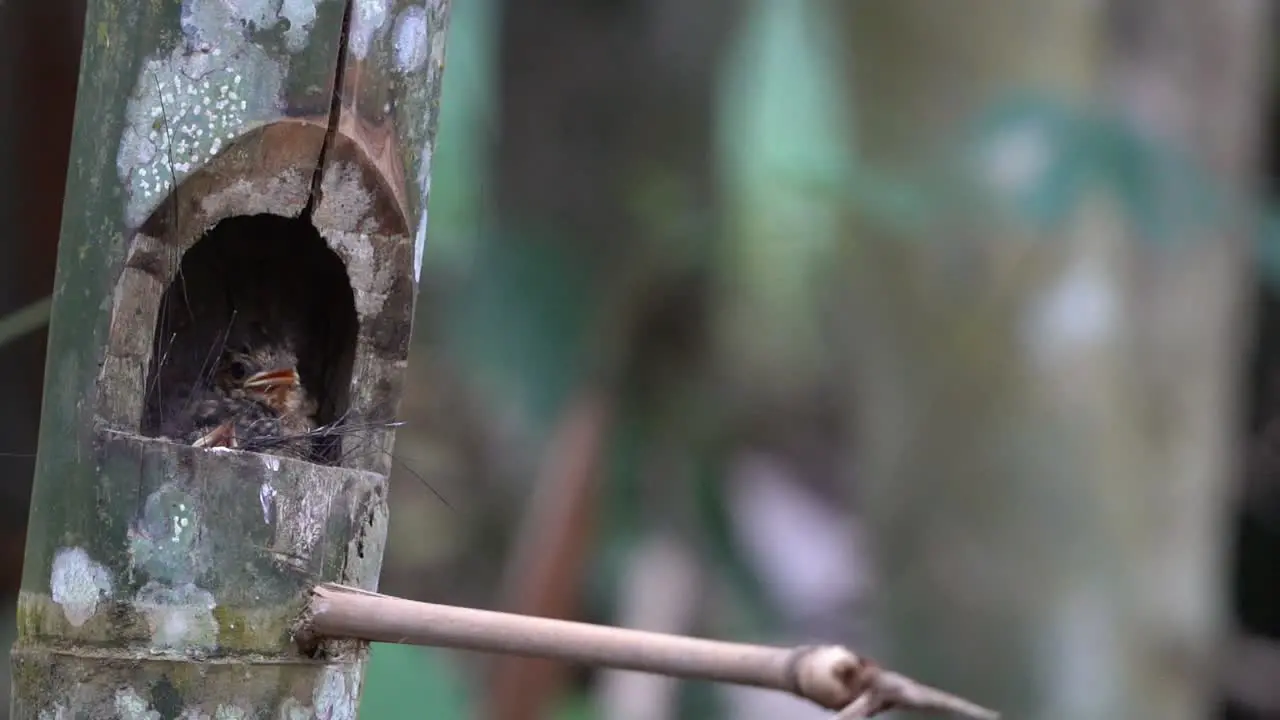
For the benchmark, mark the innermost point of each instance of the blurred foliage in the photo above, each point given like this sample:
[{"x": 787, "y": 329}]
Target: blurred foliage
[
  {"x": 522, "y": 308},
  {"x": 781, "y": 113},
  {"x": 1048, "y": 156},
  {"x": 523, "y": 315},
  {"x": 1039, "y": 158},
  {"x": 410, "y": 683},
  {"x": 521, "y": 321},
  {"x": 577, "y": 707},
  {"x": 461, "y": 156}
]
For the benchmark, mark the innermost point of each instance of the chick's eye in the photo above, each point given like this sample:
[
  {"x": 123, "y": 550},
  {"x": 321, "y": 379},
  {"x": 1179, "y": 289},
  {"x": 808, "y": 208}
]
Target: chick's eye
[{"x": 238, "y": 370}]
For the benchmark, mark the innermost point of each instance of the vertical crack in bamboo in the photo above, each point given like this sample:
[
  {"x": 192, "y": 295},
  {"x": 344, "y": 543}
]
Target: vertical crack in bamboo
[{"x": 335, "y": 109}]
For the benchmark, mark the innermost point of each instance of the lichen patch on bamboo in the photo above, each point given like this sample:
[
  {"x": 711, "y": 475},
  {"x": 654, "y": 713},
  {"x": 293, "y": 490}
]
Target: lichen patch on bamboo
[
  {"x": 188, "y": 105},
  {"x": 266, "y": 498},
  {"x": 58, "y": 712},
  {"x": 180, "y": 618},
  {"x": 308, "y": 514},
  {"x": 336, "y": 693},
  {"x": 132, "y": 706},
  {"x": 78, "y": 584},
  {"x": 367, "y": 21},
  {"x": 292, "y": 709},
  {"x": 411, "y": 39},
  {"x": 230, "y": 712},
  {"x": 257, "y": 13},
  {"x": 163, "y": 543},
  {"x": 348, "y": 202},
  {"x": 301, "y": 15}
]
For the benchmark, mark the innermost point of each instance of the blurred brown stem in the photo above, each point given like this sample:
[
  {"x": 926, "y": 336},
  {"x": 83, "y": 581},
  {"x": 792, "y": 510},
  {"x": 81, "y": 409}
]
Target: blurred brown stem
[
  {"x": 831, "y": 676},
  {"x": 550, "y": 552}
]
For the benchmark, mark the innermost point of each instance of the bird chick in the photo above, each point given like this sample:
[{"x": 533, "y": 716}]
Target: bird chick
[{"x": 257, "y": 403}]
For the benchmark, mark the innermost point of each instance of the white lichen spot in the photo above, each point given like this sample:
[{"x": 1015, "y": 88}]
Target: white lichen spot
[
  {"x": 255, "y": 13},
  {"x": 193, "y": 714},
  {"x": 230, "y": 712},
  {"x": 179, "y": 618},
  {"x": 411, "y": 42},
  {"x": 367, "y": 21},
  {"x": 58, "y": 712},
  {"x": 162, "y": 542},
  {"x": 308, "y": 512},
  {"x": 132, "y": 706},
  {"x": 361, "y": 262},
  {"x": 369, "y": 304},
  {"x": 333, "y": 697},
  {"x": 266, "y": 496},
  {"x": 301, "y": 15},
  {"x": 181, "y": 111},
  {"x": 78, "y": 584},
  {"x": 291, "y": 709}
]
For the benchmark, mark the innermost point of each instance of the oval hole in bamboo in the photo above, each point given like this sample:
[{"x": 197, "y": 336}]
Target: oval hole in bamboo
[{"x": 231, "y": 251}]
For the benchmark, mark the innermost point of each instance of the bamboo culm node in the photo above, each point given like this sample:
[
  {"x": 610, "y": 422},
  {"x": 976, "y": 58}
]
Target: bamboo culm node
[{"x": 829, "y": 675}]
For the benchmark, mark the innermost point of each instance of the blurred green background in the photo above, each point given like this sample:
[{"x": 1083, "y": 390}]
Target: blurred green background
[{"x": 692, "y": 211}]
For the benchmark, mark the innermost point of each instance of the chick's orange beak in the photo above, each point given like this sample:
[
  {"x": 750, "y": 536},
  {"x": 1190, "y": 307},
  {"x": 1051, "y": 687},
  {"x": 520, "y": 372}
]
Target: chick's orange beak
[{"x": 272, "y": 380}]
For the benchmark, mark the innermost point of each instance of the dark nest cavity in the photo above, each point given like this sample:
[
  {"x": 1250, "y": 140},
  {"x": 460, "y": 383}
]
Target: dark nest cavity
[{"x": 249, "y": 278}]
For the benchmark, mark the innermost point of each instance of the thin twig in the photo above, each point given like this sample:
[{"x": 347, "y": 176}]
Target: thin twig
[
  {"x": 831, "y": 676},
  {"x": 24, "y": 320}
]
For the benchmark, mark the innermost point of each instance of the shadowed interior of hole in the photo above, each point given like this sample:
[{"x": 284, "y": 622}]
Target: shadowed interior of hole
[{"x": 252, "y": 277}]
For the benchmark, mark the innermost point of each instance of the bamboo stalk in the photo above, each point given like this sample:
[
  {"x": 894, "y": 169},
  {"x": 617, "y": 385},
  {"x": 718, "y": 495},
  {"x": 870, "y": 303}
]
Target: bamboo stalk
[
  {"x": 150, "y": 561},
  {"x": 831, "y": 676}
]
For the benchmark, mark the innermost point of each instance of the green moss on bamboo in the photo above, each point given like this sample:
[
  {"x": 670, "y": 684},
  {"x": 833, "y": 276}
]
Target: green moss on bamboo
[
  {"x": 263, "y": 631},
  {"x": 256, "y": 630}
]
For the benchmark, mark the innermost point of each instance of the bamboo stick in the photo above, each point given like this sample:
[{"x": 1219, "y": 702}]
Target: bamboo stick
[{"x": 832, "y": 676}]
